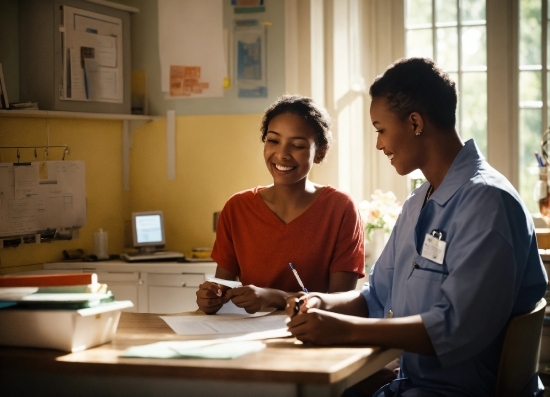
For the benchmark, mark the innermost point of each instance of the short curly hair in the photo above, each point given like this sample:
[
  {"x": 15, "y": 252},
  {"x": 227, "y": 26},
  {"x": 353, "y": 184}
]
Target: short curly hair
[
  {"x": 418, "y": 85},
  {"x": 316, "y": 116}
]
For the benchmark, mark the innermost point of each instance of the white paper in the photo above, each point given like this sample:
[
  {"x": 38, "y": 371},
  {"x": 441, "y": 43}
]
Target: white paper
[
  {"x": 108, "y": 84},
  {"x": 105, "y": 51},
  {"x": 227, "y": 283},
  {"x": 93, "y": 45},
  {"x": 40, "y": 196},
  {"x": 76, "y": 86},
  {"x": 230, "y": 311},
  {"x": 15, "y": 293},
  {"x": 215, "y": 325},
  {"x": 191, "y": 35},
  {"x": 26, "y": 181}
]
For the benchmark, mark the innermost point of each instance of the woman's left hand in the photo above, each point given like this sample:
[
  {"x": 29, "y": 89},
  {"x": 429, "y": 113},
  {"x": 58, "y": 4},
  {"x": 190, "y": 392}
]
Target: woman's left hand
[
  {"x": 250, "y": 297},
  {"x": 319, "y": 327}
]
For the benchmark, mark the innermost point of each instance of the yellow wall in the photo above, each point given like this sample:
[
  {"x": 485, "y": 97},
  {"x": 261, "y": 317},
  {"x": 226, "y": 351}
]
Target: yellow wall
[
  {"x": 99, "y": 144},
  {"x": 216, "y": 156}
]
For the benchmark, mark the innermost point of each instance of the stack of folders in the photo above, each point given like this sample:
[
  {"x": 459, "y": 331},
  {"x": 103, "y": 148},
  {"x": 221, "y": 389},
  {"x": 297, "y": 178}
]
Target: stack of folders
[{"x": 67, "y": 312}]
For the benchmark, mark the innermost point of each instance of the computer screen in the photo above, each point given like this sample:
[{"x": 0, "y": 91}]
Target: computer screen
[{"x": 148, "y": 230}]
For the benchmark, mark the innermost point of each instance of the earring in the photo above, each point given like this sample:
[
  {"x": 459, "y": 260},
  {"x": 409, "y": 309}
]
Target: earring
[{"x": 418, "y": 133}]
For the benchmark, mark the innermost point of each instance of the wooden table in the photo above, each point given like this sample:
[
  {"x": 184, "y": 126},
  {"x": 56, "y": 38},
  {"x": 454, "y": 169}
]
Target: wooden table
[{"x": 284, "y": 368}]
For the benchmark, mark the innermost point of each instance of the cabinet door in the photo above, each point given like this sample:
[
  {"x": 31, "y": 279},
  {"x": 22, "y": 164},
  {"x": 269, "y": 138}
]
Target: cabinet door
[
  {"x": 124, "y": 286},
  {"x": 172, "y": 299},
  {"x": 173, "y": 293}
]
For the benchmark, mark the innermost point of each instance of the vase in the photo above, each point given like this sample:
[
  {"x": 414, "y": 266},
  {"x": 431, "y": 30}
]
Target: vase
[{"x": 374, "y": 247}]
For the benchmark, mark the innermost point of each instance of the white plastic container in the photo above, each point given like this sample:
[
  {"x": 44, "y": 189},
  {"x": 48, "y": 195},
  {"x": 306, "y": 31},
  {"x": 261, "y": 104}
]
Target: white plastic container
[{"x": 67, "y": 330}]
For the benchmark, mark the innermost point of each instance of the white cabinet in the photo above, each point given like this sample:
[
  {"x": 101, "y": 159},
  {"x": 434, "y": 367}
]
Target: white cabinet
[
  {"x": 173, "y": 293},
  {"x": 123, "y": 285},
  {"x": 153, "y": 287}
]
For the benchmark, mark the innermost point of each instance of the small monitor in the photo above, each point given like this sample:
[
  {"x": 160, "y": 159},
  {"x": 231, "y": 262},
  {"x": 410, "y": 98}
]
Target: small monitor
[{"x": 148, "y": 230}]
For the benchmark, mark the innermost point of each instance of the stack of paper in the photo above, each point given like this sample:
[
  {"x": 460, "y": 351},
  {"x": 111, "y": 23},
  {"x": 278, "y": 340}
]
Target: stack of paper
[
  {"x": 53, "y": 291},
  {"x": 68, "y": 312}
]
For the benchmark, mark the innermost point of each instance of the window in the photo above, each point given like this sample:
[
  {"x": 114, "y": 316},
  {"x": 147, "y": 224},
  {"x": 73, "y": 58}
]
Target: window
[
  {"x": 495, "y": 50},
  {"x": 454, "y": 34},
  {"x": 533, "y": 99}
]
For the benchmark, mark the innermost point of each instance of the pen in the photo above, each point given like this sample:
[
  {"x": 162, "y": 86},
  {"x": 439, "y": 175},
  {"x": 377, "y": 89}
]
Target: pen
[
  {"x": 539, "y": 159},
  {"x": 298, "y": 278}
]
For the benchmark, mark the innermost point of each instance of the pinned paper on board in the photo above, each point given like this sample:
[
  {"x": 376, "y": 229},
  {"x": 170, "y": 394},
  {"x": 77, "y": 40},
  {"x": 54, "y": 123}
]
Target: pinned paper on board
[
  {"x": 40, "y": 196},
  {"x": 191, "y": 48},
  {"x": 92, "y": 57},
  {"x": 250, "y": 48},
  {"x": 185, "y": 81}
]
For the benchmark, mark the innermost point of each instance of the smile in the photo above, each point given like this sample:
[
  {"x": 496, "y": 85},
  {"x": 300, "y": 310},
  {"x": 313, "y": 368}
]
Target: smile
[{"x": 283, "y": 168}]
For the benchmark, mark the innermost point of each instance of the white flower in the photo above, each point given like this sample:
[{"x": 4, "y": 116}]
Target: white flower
[{"x": 380, "y": 213}]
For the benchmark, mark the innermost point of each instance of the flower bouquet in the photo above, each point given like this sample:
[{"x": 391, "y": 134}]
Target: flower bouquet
[{"x": 380, "y": 213}]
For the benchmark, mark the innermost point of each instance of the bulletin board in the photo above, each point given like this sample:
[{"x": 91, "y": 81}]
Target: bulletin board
[
  {"x": 92, "y": 66},
  {"x": 41, "y": 196}
]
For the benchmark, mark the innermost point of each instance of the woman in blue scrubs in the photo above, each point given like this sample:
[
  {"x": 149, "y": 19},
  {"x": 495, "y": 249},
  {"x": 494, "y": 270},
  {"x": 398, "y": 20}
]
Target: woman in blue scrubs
[{"x": 460, "y": 262}]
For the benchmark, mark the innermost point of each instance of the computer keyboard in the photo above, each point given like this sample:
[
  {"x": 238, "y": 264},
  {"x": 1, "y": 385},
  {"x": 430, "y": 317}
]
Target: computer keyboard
[{"x": 151, "y": 256}]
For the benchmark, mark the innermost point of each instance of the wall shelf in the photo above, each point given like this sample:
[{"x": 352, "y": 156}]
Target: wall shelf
[
  {"x": 129, "y": 123},
  {"x": 52, "y": 114}
]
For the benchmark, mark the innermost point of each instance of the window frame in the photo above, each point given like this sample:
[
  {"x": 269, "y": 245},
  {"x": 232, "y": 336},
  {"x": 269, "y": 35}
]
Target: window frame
[{"x": 383, "y": 27}]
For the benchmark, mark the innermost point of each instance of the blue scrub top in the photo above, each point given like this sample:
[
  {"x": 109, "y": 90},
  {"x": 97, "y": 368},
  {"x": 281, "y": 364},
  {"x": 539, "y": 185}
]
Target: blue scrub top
[{"x": 491, "y": 271}]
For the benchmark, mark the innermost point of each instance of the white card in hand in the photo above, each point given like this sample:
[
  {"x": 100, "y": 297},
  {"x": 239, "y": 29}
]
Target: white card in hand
[{"x": 227, "y": 283}]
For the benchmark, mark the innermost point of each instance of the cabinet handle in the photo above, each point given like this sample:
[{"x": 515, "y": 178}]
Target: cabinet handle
[
  {"x": 184, "y": 284},
  {"x": 140, "y": 282}
]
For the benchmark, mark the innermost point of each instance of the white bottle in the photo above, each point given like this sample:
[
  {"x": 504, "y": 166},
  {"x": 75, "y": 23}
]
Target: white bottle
[{"x": 101, "y": 245}]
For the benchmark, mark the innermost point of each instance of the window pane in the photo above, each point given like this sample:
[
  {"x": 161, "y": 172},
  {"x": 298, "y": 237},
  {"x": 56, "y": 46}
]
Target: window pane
[
  {"x": 530, "y": 88},
  {"x": 454, "y": 77},
  {"x": 419, "y": 12},
  {"x": 474, "y": 108},
  {"x": 530, "y": 127},
  {"x": 530, "y": 32},
  {"x": 445, "y": 11},
  {"x": 447, "y": 48},
  {"x": 474, "y": 44},
  {"x": 472, "y": 10},
  {"x": 419, "y": 43}
]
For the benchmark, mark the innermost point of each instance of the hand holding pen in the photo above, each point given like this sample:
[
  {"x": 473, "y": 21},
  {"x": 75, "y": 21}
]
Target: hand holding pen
[
  {"x": 539, "y": 159},
  {"x": 297, "y": 303},
  {"x": 298, "y": 277}
]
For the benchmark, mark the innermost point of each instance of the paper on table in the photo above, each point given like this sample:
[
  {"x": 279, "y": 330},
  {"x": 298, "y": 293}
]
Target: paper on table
[
  {"x": 195, "y": 349},
  {"x": 230, "y": 311},
  {"x": 217, "y": 325},
  {"x": 227, "y": 283}
]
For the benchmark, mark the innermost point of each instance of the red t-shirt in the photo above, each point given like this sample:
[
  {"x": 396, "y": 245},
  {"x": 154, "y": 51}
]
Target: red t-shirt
[{"x": 253, "y": 243}]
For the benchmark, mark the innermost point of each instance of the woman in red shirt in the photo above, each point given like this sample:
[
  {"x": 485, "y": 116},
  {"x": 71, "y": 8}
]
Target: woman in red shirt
[{"x": 261, "y": 230}]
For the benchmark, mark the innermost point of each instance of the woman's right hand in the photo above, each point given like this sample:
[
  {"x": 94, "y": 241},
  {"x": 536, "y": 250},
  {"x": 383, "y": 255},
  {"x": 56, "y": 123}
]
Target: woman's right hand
[
  {"x": 307, "y": 301},
  {"x": 211, "y": 297}
]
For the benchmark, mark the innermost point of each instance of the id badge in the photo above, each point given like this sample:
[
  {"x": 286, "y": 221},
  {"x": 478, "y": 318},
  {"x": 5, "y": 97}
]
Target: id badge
[{"x": 434, "y": 247}]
